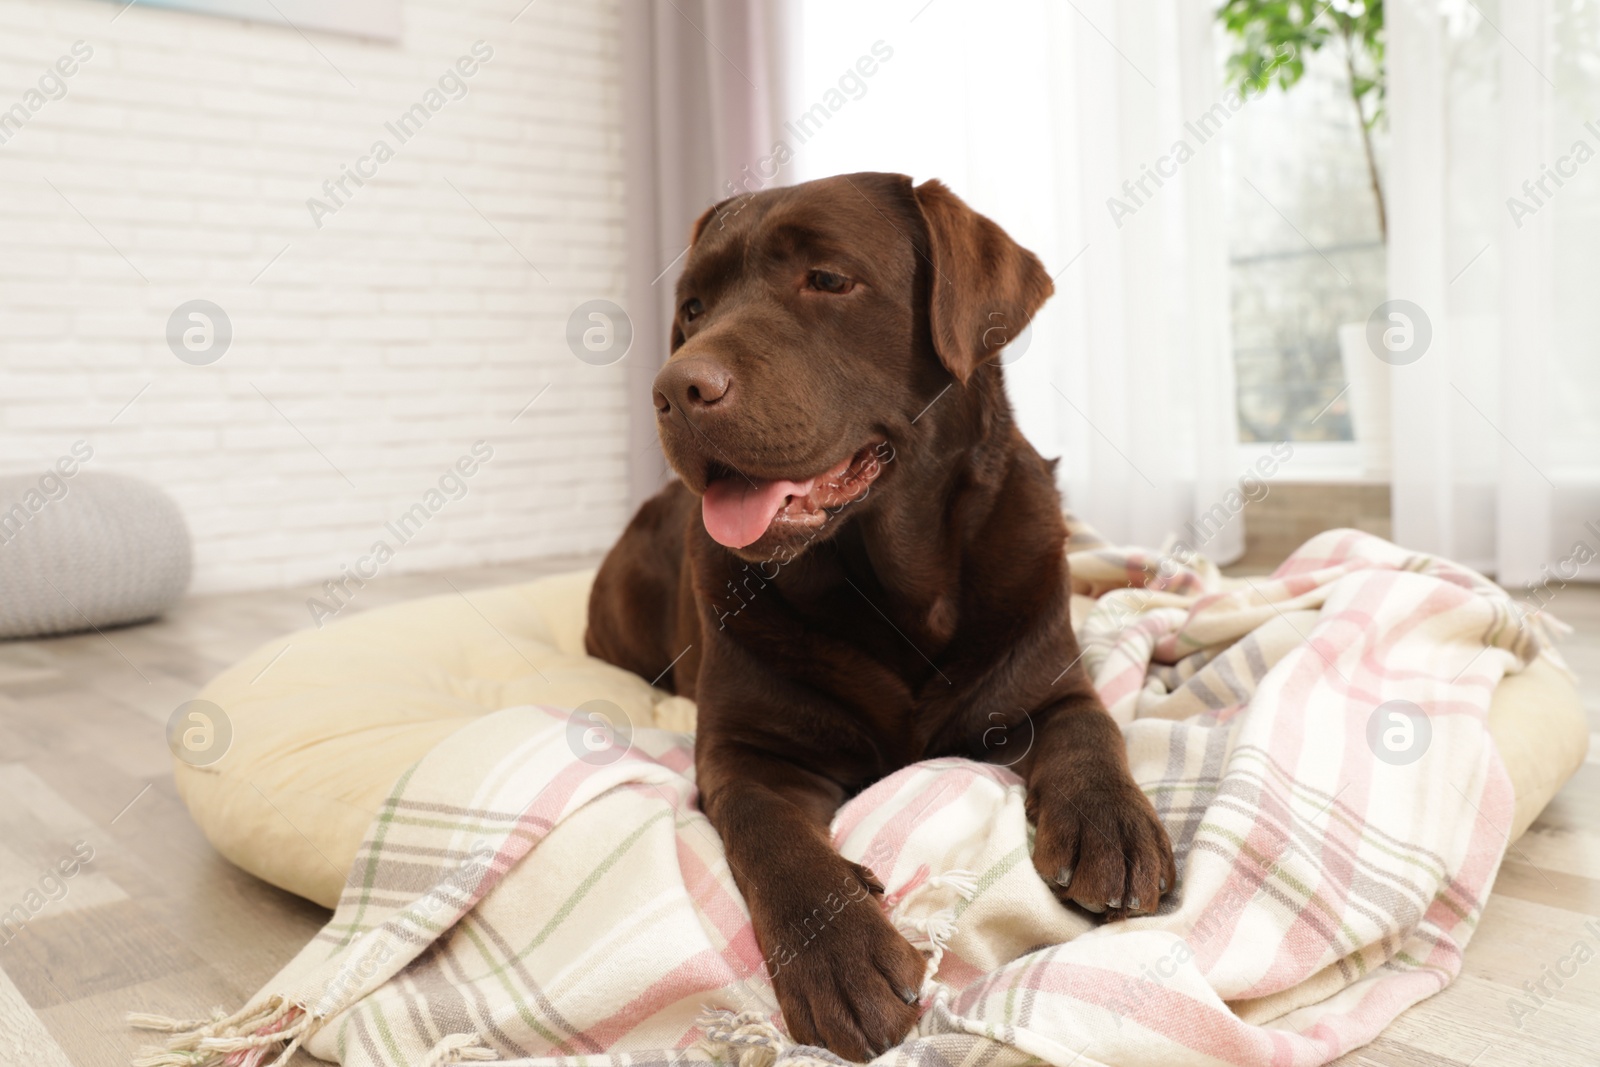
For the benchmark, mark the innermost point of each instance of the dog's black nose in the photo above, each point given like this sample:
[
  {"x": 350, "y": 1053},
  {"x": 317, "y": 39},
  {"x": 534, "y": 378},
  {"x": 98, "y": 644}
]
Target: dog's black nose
[{"x": 693, "y": 384}]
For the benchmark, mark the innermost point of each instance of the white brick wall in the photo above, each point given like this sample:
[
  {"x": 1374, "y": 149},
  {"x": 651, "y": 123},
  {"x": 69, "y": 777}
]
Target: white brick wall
[{"x": 393, "y": 337}]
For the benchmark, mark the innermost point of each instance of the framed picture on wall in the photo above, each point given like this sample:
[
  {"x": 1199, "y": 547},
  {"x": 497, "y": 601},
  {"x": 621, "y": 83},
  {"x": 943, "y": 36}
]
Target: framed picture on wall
[{"x": 376, "y": 19}]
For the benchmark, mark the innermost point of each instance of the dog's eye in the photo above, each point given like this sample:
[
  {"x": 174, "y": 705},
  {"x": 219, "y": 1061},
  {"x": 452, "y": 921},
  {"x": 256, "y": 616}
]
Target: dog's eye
[
  {"x": 693, "y": 309},
  {"x": 827, "y": 281}
]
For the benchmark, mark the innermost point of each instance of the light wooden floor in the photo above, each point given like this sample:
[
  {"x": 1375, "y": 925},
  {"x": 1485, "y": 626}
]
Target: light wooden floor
[{"x": 156, "y": 921}]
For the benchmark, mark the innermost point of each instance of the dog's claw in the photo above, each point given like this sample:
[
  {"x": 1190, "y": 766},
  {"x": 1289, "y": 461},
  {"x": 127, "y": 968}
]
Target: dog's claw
[
  {"x": 1117, "y": 903},
  {"x": 910, "y": 996},
  {"x": 1163, "y": 885},
  {"x": 1098, "y": 909},
  {"x": 1064, "y": 877},
  {"x": 1133, "y": 903}
]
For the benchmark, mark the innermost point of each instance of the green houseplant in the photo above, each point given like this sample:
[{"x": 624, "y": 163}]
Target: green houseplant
[{"x": 1265, "y": 31}]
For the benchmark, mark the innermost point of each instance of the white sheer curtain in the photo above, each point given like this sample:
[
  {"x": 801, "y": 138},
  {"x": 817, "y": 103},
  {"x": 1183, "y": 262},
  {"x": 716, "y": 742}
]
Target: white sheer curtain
[
  {"x": 1037, "y": 113},
  {"x": 1495, "y": 209}
]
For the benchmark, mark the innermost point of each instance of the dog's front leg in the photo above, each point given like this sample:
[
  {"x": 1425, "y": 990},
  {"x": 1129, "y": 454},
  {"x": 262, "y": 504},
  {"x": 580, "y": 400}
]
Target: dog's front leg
[
  {"x": 1099, "y": 841},
  {"x": 844, "y": 977}
]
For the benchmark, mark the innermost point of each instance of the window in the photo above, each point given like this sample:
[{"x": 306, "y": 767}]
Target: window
[{"x": 1305, "y": 256}]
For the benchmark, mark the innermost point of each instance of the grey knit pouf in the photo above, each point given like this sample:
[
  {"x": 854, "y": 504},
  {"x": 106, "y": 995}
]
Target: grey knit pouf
[{"x": 88, "y": 551}]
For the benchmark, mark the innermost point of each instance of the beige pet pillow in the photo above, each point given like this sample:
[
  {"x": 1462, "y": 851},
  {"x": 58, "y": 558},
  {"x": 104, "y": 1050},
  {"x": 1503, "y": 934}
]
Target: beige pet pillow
[{"x": 323, "y": 721}]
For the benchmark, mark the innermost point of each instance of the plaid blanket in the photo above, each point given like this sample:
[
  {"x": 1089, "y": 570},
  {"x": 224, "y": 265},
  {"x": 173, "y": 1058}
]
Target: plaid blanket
[{"x": 1314, "y": 741}]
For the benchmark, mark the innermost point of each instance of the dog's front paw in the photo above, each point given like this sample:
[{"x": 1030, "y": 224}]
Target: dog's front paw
[
  {"x": 1101, "y": 845},
  {"x": 847, "y": 980}
]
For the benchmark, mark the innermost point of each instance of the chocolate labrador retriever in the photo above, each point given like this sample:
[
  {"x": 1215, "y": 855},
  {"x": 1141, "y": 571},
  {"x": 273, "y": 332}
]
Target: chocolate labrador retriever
[{"x": 861, "y": 567}]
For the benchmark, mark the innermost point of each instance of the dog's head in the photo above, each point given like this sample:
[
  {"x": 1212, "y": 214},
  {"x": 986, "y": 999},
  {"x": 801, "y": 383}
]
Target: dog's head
[{"x": 815, "y": 325}]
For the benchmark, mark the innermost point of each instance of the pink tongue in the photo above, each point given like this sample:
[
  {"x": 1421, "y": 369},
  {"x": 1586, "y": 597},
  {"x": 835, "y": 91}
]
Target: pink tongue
[{"x": 737, "y": 513}]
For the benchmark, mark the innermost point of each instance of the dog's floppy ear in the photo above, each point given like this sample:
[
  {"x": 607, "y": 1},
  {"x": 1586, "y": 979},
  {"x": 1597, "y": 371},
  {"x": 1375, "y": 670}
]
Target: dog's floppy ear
[
  {"x": 985, "y": 287},
  {"x": 700, "y": 223},
  {"x": 706, "y": 216}
]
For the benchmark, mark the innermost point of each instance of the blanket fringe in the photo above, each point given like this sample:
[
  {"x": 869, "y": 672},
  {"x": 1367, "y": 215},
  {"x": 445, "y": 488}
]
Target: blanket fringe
[
  {"x": 963, "y": 882},
  {"x": 931, "y": 935},
  {"x": 275, "y": 1028},
  {"x": 750, "y": 1040},
  {"x": 194, "y": 1028},
  {"x": 454, "y": 1048},
  {"x": 140, "y": 1020},
  {"x": 243, "y": 1039},
  {"x": 935, "y": 931}
]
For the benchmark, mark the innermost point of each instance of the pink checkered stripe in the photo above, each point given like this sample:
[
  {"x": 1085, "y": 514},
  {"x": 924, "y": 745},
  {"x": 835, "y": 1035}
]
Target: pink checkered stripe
[{"x": 1323, "y": 889}]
